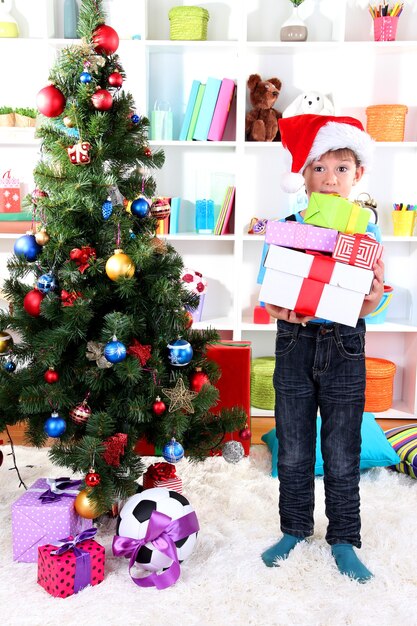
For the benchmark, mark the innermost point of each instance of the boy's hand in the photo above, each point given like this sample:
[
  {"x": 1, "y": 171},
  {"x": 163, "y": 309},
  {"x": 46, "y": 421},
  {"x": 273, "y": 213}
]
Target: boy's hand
[
  {"x": 372, "y": 300},
  {"x": 286, "y": 314}
]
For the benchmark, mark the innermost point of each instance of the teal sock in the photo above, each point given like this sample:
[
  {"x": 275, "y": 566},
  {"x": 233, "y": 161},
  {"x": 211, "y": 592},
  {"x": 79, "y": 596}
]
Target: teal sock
[
  {"x": 280, "y": 550},
  {"x": 349, "y": 564}
]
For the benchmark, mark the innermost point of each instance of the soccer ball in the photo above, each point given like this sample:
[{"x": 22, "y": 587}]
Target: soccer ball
[{"x": 134, "y": 518}]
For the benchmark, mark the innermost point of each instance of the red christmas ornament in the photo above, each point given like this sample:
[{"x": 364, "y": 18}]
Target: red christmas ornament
[
  {"x": 115, "y": 447},
  {"x": 69, "y": 297},
  {"x": 245, "y": 433},
  {"x": 92, "y": 479},
  {"x": 32, "y": 302},
  {"x": 50, "y": 101},
  {"x": 51, "y": 376},
  {"x": 79, "y": 153},
  {"x": 102, "y": 100},
  {"x": 148, "y": 152},
  {"x": 158, "y": 406},
  {"x": 188, "y": 319},
  {"x": 105, "y": 39},
  {"x": 198, "y": 379},
  {"x": 141, "y": 352},
  {"x": 80, "y": 413},
  {"x": 38, "y": 193},
  {"x": 82, "y": 257},
  {"x": 115, "y": 80}
]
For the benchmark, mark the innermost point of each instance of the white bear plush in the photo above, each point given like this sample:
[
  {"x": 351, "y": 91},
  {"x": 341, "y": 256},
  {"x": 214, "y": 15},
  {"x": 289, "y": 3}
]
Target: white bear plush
[{"x": 310, "y": 102}]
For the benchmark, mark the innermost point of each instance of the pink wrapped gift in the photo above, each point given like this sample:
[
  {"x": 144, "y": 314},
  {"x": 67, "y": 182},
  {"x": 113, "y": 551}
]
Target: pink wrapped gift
[
  {"x": 300, "y": 236},
  {"x": 358, "y": 250},
  {"x": 9, "y": 194},
  {"x": 162, "y": 475},
  {"x": 71, "y": 565},
  {"x": 44, "y": 514}
]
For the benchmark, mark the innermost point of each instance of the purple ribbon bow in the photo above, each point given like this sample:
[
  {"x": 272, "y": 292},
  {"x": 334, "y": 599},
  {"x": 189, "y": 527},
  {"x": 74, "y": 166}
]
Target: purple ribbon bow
[
  {"x": 162, "y": 532},
  {"x": 58, "y": 488},
  {"x": 82, "y": 558}
]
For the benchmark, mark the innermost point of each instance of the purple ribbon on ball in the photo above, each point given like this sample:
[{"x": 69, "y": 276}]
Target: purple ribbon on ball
[
  {"x": 59, "y": 487},
  {"x": 162, "y": 532},
  {"x": 82, "y": 558}
]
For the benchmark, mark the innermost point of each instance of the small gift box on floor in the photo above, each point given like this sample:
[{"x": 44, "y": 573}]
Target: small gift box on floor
[
  {"x": 162, "y": 475},
  {"x": 195, "y": 283},
  {"x": 44, "y": 514},
  {"x": 9, "y": 194},
  {"x": 71, "y": 565}
]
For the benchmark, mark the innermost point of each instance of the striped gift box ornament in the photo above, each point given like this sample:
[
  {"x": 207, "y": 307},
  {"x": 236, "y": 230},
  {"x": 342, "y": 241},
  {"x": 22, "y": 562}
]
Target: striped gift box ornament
[
  {"x": 359, "y": 250},
  {"x": 162, "y": 475}
]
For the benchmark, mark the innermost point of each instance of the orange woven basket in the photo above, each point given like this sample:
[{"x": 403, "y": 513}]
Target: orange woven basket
[
  {"x": 386, "y": 122},
  {"x": 379, "y": 384}
]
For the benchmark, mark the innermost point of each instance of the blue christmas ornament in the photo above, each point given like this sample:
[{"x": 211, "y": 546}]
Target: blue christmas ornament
[
  {"x": 107, "y": 208},
  {"x": 26, "y": 246},
  {"x": 140, "y": 207},
  {"x": 173, "y": 451},
  {"x": 85, "y": 77},
  {"x": 135, "y": 118},
  {"x": 10, "y": 366},
  {"x": 132, "y": 234},
  {"x": 46, "y": 283},
  {"x": 180, "y": 352},
  {"x": 55, "y": 425},
  {"x": 115, "y": 351}
]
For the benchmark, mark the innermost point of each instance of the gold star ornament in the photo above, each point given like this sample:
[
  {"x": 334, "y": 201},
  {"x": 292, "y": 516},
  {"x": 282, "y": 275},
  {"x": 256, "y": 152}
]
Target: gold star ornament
[{"x": 180, "y": 397}]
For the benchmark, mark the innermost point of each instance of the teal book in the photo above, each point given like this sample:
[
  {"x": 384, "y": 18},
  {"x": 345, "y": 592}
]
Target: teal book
[
  {"x": 196, "y": 111},
  {"x": 175, "y": 215},
  {"x": 189, "y": 110},
  {"x": 208, "y": 106}
]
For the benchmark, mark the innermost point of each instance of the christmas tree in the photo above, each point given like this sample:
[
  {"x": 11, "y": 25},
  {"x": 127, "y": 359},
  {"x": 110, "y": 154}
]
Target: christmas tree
[{"x": 105, "y": 351}]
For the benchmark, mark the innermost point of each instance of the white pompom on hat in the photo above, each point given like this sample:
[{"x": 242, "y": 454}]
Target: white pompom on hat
[{"x": 307, "y": 137}]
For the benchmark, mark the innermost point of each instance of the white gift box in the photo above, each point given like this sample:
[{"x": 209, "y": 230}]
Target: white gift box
[{"x": 314, "y": 285}]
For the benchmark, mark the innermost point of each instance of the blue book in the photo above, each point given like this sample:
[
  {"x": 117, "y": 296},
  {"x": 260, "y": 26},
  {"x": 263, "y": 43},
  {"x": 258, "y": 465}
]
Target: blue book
[
  {"x": 208, "y": 105},
  {"x": 189, "y": 110},
  {"x": 174, "y": 216}
]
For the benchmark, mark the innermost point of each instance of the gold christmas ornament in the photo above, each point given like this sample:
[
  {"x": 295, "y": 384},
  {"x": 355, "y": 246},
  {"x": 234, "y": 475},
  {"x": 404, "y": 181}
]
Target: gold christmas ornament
[
  {"x": 6, "y": 343},
  {"x": 85, "y": 507},
  {"x": 159, "y": 245},
  {"x": 42, "y": 237},
  {"x": 180, "y": 397},
  {"x": 119, "y": 265},
  {"x": 68, "y": 122}
]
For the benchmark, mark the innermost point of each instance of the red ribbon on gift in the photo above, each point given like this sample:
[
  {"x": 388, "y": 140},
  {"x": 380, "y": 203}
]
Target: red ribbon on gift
[
  {"x": 161, "y": 471},
  {"x": 312, "y": 287},
  {"x": 82, "y": 257}
]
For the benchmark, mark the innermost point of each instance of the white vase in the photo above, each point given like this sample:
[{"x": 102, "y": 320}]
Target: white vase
[
  {"x": 294, "y": 29},
  {"x": 8, "y": 25}
]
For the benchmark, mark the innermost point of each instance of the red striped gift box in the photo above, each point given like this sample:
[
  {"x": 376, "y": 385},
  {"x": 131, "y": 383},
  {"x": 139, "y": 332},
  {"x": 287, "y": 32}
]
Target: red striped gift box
[
  {"x": 358, "y": 250},
  {"x": 162, "y": 475}
]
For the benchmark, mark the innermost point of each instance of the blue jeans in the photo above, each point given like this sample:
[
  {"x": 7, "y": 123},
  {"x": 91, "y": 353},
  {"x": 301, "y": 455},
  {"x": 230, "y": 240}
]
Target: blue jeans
[{"x": 319, "y": 367}]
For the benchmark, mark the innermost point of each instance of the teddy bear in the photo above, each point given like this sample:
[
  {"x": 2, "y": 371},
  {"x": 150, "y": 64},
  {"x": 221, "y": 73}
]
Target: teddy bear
[
  {"x": 261, "y": 123},
  {"x": 310, "y": 102}
]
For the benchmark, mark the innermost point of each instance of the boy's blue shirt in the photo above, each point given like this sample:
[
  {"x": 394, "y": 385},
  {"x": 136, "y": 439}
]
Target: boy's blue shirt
[{"x": 371, "y": 228}]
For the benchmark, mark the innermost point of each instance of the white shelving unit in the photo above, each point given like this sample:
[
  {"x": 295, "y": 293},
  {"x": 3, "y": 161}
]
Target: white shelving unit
[{"x": 340, "y": 57}]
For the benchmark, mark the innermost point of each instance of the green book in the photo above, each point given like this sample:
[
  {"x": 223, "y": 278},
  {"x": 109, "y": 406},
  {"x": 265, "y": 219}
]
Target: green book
[
  {"x": 196, "y": 111},
  {"x": 22, "y": 216}
]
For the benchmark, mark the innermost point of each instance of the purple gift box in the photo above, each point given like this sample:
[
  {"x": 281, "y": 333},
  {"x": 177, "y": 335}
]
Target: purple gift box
[
  {"x": 198, "y": 312},
  {"x": 44, "y": 514},
  {"x": 300, "y": 236}
]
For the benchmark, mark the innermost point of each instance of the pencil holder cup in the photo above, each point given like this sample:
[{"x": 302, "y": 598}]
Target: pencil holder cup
[
  {"x": 385, "y": 28},
  {"x": 404, "y": 222}
]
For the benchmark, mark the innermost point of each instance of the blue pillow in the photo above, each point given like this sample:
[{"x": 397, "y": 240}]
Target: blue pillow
[{"x": 376, "y": 451}]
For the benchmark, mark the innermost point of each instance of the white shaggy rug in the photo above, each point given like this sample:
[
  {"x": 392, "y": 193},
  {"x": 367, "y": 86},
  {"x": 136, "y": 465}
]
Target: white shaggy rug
[{"x": 224, "y": 582}]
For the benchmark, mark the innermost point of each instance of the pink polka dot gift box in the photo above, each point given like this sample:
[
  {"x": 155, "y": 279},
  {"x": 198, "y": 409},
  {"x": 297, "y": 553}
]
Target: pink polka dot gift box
[
  {"x": 44, "y": 514},
  {"x": 74, "y": 563},
  {"x": 300, "y": 236}
]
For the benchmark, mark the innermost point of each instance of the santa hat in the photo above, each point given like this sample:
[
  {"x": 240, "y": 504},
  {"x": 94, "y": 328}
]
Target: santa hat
[{"x": 307, "y": 137}]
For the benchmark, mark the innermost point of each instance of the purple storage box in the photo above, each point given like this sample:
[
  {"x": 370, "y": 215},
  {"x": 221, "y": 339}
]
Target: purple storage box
[
  {"x": 198, "y": 312},
  {"x": 300, "y": 236},
  {"x": 36, "y": 523}
]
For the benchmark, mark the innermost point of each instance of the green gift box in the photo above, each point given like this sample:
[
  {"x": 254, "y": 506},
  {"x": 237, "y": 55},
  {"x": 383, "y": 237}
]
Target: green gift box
[{"x": 331, "y": 211}]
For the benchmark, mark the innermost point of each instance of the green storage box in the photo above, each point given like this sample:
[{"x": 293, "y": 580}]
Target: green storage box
[
  {"x": 262, "y": 393},
  {"x": 188, "y": 23}
]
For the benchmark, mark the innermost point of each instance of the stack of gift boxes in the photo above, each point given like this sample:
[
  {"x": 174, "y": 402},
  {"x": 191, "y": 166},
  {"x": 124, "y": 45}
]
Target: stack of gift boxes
[{"x": 322, "y": 268}]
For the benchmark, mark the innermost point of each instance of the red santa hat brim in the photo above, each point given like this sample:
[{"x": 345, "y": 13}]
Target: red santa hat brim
[{"x": 307, "y": 137}]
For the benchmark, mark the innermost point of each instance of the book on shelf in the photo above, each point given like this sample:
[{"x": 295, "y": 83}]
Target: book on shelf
[
  {"x": 18, "y": 216},
  {"x": 163, "y": 226},
  {"x": 221, "y": 112},
  {"x": 175, "y": 215},
  {"x": 189, "y": 110},
  {"x": 16, "y": 227},
  {"x": 207, "y": 108},
  {"x": 196, "y": 110},
  {"x": 223, "y": 223}
]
